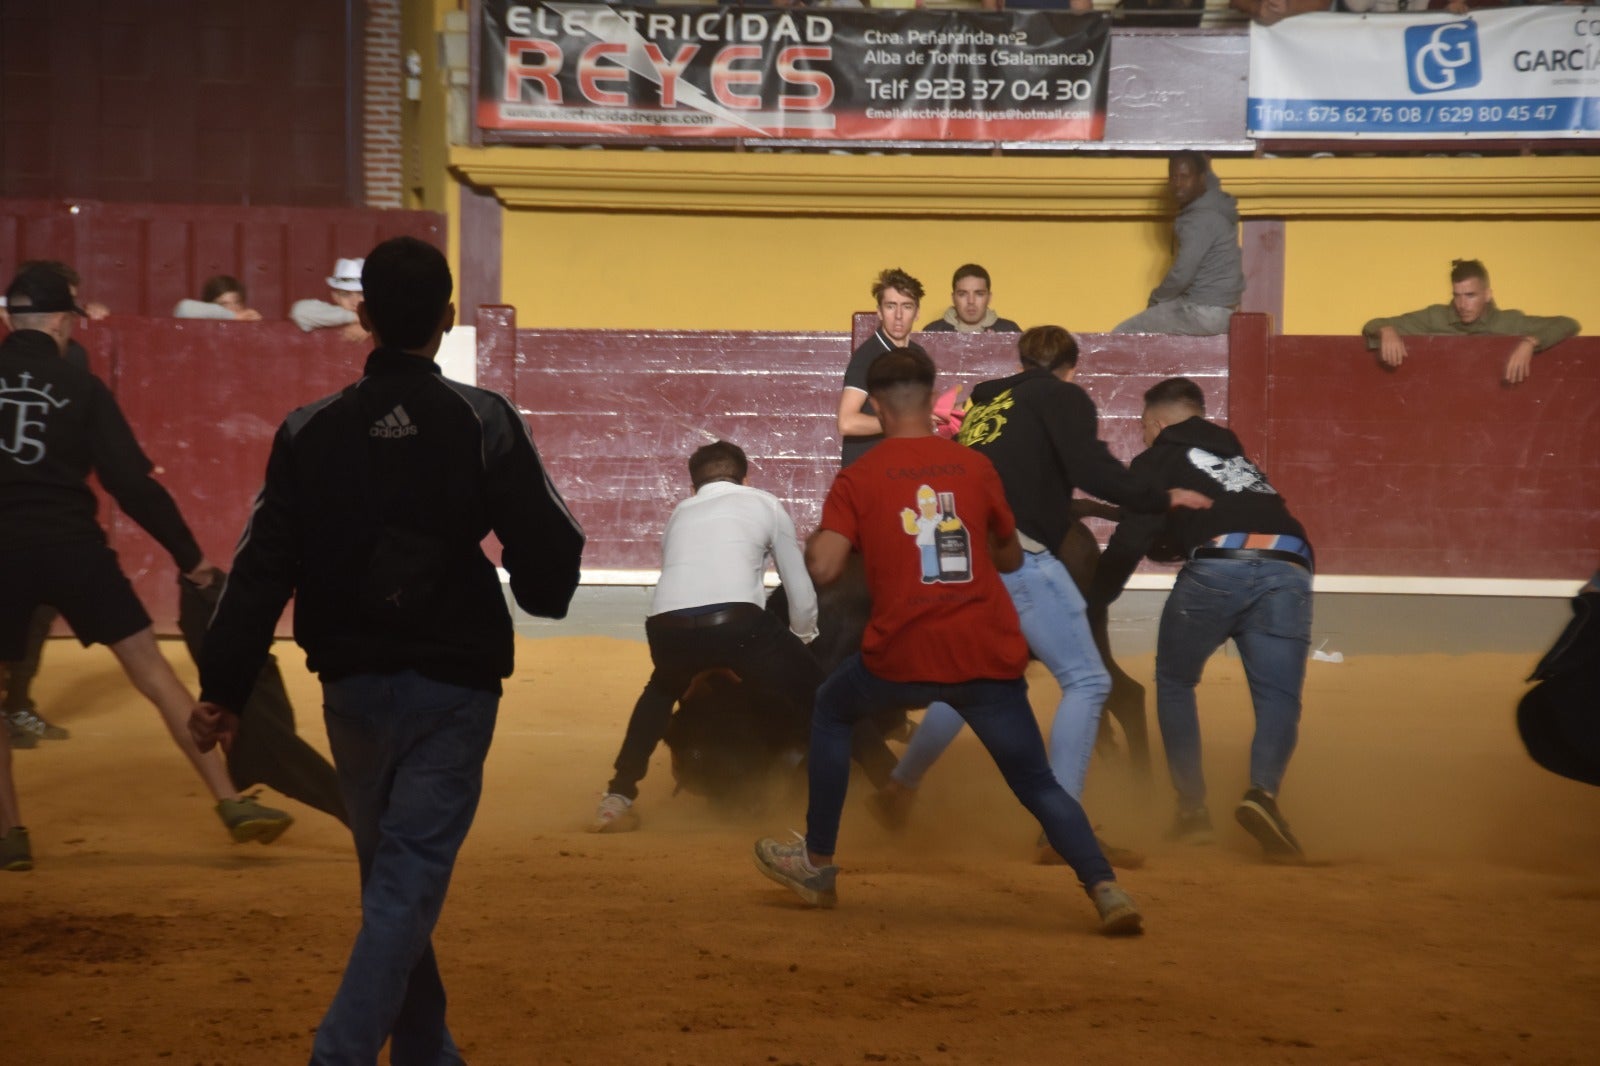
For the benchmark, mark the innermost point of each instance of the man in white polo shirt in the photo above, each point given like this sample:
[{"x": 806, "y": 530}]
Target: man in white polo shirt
[{"x": 708, "y": 613}]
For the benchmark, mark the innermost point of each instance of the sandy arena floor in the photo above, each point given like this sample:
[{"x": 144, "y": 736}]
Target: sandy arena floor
[{"x": 1454, "y": 916}]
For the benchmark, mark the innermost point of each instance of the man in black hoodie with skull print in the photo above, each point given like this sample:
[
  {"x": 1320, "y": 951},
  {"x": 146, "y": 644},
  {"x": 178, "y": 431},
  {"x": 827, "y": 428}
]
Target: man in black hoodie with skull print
[{"x": 1246, "y": 575}]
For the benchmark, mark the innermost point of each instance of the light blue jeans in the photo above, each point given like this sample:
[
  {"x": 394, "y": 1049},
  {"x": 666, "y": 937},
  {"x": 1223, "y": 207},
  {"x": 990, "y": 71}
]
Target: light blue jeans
[
  {"x": 1265, "y": 606},
  {"x": 409, "y": 751},
  {"x": 1056, "y": 626},
  {"x": 1180, "y": 318}
]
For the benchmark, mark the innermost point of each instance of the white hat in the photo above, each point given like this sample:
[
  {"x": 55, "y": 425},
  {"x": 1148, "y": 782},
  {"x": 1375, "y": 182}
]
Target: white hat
[{"x": 346, "y": 275}]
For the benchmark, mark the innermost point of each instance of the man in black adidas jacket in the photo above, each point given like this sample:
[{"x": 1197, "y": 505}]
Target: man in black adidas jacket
[
  {"x": 59, "y": 423},
  {"x": 375, "y": 505},
  {"x": 1247, "y": 576}
]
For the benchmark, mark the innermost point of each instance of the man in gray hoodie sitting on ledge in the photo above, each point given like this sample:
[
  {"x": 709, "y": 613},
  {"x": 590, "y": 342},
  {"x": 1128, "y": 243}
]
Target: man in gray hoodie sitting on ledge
[{"x": 1202, "y": 288}]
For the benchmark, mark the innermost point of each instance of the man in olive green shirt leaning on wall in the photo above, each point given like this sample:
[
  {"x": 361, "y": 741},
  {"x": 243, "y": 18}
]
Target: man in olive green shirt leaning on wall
[{"x": 1471, "y": 310}]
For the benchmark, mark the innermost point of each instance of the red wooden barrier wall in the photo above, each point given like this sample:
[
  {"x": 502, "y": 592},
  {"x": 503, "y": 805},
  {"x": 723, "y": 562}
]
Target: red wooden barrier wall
[
  {"x": 1437, "y": 468},
  {"x": 204, "y": 399},
  {"x": 1434, "y": 469},
  {"x": 141, "y": 259}
]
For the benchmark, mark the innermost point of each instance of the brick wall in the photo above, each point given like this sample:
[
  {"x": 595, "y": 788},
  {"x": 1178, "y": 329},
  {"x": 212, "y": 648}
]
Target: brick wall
[{"x": 380, "y": 111}]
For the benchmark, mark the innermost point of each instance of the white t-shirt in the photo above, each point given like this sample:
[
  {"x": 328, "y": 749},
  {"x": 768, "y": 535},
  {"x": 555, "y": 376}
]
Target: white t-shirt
[{"x": 715, "y": 550}]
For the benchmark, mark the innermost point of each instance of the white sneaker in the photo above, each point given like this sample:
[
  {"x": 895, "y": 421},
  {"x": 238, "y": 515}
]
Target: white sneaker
[{"x": 614, "y": 815}]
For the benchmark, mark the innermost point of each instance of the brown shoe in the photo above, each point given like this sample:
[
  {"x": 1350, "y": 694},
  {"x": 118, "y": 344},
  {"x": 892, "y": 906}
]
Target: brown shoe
[{"x": 1121, "y": 858}]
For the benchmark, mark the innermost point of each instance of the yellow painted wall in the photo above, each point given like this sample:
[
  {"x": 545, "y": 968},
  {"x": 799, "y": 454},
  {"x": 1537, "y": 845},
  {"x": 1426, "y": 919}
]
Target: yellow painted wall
[
  {"x": 1341, "y": 273},
  {"x": 620, "y": 239},
  {"x": 571, "y": 269}
]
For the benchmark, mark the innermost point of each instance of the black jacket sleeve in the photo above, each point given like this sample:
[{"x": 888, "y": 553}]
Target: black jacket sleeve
[
  {"x": 1075, "y": 435},
  {"x": 1128, "y": 544},
  {"x": 265, "y": 571},
  {"x": 124, "y": 471},
  {"x": 541, "y": 543}
]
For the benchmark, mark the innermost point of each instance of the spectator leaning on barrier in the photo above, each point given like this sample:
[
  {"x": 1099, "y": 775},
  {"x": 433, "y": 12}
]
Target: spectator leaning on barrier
[
  {"x": 969, "y": 310},
  {"x": 1268, "y": 12},
  {"x": 344, "y": 288},
  {"x": 1202, "y": 287},
  {"x": 1471, "y": 310},
  {"x": 222, "y": 297}
]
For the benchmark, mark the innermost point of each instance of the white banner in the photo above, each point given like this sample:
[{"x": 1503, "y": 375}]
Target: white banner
[{"x": 1512, "y": 72}]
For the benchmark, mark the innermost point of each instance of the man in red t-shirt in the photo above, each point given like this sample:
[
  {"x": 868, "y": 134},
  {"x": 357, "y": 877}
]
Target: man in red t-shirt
[{"x": 932, "y": 525}]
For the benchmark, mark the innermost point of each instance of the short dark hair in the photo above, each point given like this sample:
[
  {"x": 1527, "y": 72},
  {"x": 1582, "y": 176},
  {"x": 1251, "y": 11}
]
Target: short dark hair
[
  {"x": 1176, "y": 391},
  {"x": 1464, "y": 269},
  {"x": 1188, "y": 157},
  {"x": 1048, "y": 348},
  {"x": 895, "y": 278},
  {"x": 218, "y": 285},
  {"x": 406, "y": 285},
  {"x": 718, "y": 460},
  {"x": 970, "y": 270},
  {"x": 901, "y": 378}
]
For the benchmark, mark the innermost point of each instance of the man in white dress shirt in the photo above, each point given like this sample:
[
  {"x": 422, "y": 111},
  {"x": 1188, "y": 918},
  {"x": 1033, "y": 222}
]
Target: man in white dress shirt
[{"x": 708, "y": 613}]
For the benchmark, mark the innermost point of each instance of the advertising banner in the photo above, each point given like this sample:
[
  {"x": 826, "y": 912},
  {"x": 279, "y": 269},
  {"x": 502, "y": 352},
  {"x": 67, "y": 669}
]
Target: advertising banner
[
  {"x": 1514, "y": 72},
  {"x": 827, "y": 74}
]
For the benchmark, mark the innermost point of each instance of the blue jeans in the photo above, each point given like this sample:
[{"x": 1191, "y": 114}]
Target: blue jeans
[
  {"x": 1056, "y": 625},
  {"x": 1265, "y": 606},
  {"x": 409, "y": 751},
  {"x": 1180, "y": 317},
  {"x": 999, "y": 714}
]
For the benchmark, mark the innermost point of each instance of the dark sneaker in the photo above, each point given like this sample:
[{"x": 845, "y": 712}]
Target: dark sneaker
[
  {"x": 27, "y": 721},
  {"x": 615, "y": 814},
  {"x": 789, "y": 865},
  {"x": 1258, "y": 813},
  {"x": 1192, "y": 827},
  {"x": 248, "y": 820},
  {"x": 1121, "y": 858},
  {"x": 1118, "y": 914},
  {"x": 15, "y": 854}
]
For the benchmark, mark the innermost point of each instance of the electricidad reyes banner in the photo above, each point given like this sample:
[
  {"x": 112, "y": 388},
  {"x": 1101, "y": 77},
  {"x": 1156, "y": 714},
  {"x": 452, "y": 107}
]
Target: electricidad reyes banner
[
  {"x": 1514, "y": 72},
  {"x": 610, "y": 69}
]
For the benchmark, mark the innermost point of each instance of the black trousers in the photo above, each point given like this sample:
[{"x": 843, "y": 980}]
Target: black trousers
[
  {"x": 267, "y": 750},
  {"x": 752, "y": 643}
]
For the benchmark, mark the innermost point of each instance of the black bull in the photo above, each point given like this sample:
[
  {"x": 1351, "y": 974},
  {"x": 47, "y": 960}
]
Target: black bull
[{"x": 726, "y": 747}]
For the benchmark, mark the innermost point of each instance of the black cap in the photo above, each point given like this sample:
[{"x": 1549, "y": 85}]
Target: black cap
[{"x": 40, "y": 290}]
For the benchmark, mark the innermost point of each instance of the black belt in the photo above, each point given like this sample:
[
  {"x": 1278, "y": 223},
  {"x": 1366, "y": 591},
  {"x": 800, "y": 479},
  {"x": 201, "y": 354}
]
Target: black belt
[
  {"x": 1251, "y": 553},
  {"x": 681, "y": 620}
]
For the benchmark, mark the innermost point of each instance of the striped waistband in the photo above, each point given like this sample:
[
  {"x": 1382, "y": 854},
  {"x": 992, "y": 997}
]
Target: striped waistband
[{"x": 1281, "y": 542}]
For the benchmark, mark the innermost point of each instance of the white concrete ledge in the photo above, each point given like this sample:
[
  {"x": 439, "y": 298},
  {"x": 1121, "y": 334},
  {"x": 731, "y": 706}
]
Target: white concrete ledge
[{"x": 1353, "y": 583}]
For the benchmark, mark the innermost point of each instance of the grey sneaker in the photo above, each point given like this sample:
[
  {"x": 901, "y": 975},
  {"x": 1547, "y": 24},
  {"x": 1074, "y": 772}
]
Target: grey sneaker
[
  {"x": 15, "y": 853},
  {"x": 614, "y": 815},
  {"x": 28, "y": 722},
  {"x": 1118, "y": 914},
  {"x": 788, "y": 865},
  {"x": 248, "y": 820},
  {"x": 20, "y": 738},
  {"x": 1258, "y": 813}
]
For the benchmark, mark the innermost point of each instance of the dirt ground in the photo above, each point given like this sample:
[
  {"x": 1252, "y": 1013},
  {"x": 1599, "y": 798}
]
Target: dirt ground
[{"x": 1453, "y": 916}]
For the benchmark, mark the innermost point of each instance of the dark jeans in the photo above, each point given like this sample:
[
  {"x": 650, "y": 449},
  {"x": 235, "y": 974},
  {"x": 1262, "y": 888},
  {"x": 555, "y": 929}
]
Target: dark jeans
[
  {"x": 1000, "y": 717},
  {"x": 1265, "y": 606},
  {"x": 410, "y": 754},
  {"x": 754, "y": 644}
]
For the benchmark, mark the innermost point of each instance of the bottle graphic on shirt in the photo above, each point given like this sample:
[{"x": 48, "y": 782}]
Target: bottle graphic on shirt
[{"x": 953, "y": 541}]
